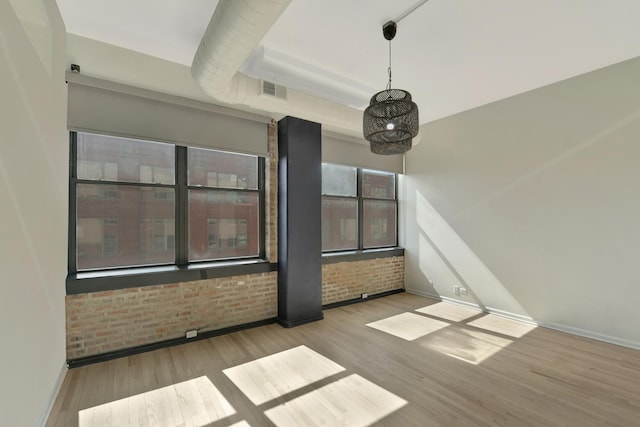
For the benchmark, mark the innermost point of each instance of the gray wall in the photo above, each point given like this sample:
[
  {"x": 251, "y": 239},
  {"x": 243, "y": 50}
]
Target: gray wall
[
  {"x": 533, "y": 204},
  {"x": 33, "y": 208}
]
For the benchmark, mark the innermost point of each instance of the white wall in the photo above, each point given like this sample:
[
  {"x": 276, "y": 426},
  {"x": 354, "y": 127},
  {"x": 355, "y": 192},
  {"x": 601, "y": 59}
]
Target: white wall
[
  {"x": 33, "y": 208},
  {"x": 120, "y": 65},
  {"x": 116, "y": 64},
  {"x": 533, "y": 204}
]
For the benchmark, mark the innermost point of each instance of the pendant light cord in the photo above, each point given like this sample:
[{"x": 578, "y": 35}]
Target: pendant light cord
[
  {"x": 389, "y": 69},
  {"x": 398, "y": 19}
]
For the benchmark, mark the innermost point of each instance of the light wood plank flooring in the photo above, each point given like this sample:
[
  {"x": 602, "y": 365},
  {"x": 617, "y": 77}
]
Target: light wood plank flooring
[{"x": 401, "y": 360}]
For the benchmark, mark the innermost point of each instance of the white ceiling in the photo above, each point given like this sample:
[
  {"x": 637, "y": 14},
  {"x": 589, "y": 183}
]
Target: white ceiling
[{"x": 452, "y": 55}]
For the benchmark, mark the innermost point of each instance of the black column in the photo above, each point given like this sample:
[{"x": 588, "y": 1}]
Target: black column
[{"x": 299, "y": 222}]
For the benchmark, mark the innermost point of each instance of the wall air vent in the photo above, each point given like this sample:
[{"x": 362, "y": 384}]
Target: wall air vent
[{"x": 272, "y": 89}]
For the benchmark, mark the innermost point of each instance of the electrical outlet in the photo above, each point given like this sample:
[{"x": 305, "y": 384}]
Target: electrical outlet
[
  {"x": 364, "y": 296},
  {"x": 464, "y": 291},
  {"x": 192, "y": 334},
  {"x": 456, "y": 289}
]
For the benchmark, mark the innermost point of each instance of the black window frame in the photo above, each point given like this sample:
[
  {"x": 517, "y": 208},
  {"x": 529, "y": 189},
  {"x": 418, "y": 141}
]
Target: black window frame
[
  {"x": 360, "y": 217},
  {"x": 260, "y": 191},
  {"x": 181, "y": 269}
]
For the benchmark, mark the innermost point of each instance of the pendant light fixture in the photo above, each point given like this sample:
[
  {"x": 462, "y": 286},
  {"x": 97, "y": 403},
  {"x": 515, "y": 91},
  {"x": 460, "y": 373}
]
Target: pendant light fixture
[{"x": 390, "y": 122}]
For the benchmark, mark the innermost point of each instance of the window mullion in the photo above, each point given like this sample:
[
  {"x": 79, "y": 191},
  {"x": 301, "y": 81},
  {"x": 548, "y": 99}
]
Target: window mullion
[
  {"x": 360, "y": 210},
  {"x": 72, "y": 264},
  {"x": 181, "y": 221},
  {"x": 124, "y": 184},
  {"x": 395, "y": 193},
  {"x": 262, "y": 207}
]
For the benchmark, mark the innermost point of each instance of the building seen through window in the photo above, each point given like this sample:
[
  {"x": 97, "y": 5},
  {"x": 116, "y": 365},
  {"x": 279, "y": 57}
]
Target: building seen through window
[
  {"x": 125, "y": 203},
  {"x": 359, "y": 208}
]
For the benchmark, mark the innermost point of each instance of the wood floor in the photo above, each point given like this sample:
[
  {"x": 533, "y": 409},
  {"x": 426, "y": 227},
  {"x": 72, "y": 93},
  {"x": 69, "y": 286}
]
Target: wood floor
[{"x": 401, "y": 360}]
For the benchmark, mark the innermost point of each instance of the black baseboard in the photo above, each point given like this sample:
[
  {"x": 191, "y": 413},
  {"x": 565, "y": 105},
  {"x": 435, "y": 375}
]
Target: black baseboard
[
  {"x": 102, "y": 357},
  {"x": 357, "y": 300},
  {"x": 293, "y": 323}
]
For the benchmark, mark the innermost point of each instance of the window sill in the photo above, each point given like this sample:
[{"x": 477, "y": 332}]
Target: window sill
[
  {"x": 347, "y": 256},
  {"x": 108, "y": 280}
]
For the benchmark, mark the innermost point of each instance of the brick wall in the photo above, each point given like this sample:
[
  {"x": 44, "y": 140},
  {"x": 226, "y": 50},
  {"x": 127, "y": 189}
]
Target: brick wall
[
  {"x": 348, "y": 280},
  {"x": 106, "y": 321},
  {"x": 271, "y": 185},
  {"x": 100, "y": 322}
]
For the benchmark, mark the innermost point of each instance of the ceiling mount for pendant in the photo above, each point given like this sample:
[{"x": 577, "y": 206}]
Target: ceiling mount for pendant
[
  {"x": 390, "y": 122},
  {"x": 389, "y": 30}
]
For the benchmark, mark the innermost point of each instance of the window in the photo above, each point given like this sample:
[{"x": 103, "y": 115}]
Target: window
[
  {"x": 379, "y": 209},
  {"x": 212, "y": 233},
  {"x": 156, "y": 174},
  {"x": 224, "y": 200},
  {"x": 359, "y": 208},
  {"x": 339, "y": 207},
  {"x": 142, "y": 203},
  {"x": 110, "y": 245}
]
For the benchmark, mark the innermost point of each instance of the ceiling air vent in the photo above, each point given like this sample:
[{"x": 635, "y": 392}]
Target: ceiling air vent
[{"x": 272, "y": 89}]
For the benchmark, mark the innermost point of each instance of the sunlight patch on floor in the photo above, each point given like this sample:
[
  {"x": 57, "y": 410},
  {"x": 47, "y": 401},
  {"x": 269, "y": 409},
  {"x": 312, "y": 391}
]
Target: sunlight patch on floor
[
  {"x": 264, "y": 379},
  {"x": 350, "y": 401},
  {"x": 465, "y": 344},
  {"x": 408, "y": 326},
  {"x": 502, "y": 325},
  {"x": 449, "y": 311},
  {"x": 195, "y": 402}
]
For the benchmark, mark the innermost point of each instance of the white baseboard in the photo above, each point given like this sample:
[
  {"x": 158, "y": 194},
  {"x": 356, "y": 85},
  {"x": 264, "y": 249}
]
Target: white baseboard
[
  {"x": 446, "y": 299},
  {"x": 44, "y": 416},
  {"x": 513, "y": 316},
  {"x": 590, "y": 334},
  {"x": 555, "y": 326},
  {"x": 423, "y": 294}
]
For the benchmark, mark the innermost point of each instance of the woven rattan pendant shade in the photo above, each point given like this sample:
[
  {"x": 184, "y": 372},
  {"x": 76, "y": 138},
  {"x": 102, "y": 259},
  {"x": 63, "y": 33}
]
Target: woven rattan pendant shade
[{"x": 391, "y": 121}]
